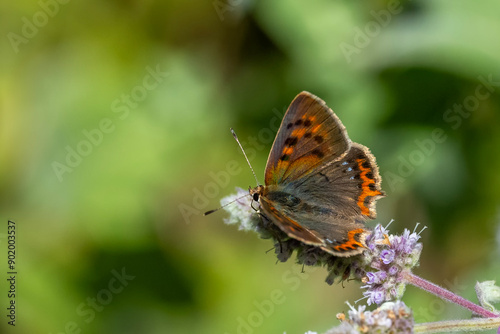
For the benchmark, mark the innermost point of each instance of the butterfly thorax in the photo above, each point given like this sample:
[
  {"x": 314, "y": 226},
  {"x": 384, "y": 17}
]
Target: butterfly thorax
[{"x": 273, "y": 193}]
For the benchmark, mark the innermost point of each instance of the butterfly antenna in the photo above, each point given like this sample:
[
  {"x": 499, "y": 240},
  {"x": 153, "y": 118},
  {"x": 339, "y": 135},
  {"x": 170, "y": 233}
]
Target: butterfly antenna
[
  {"x": 234, "y": 200},
  {"x": 242, "y": 150}
]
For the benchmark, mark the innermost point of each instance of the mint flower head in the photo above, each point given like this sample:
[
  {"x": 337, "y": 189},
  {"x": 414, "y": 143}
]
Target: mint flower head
[
  {"x": 379, "y": 266},
  {"x": 241, "y": 211},
  {"x": 390, "y": 257},
  {"x": 390, "y": 317}
]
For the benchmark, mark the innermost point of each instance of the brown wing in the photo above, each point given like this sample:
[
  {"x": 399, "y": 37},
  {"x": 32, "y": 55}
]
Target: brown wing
[
  {"x": 327, "y": 208},
  {"x": 314, "y": 225},
  {"x": 350, "y": 185},
  {"x": 320, "y": 187},
  {"x": 310, "y": 135},
  {"x": 287, "y": 225}
]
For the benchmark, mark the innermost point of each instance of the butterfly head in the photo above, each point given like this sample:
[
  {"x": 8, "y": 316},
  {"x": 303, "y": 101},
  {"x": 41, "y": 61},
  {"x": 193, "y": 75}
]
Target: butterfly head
[{"x": 256, "y": 192}]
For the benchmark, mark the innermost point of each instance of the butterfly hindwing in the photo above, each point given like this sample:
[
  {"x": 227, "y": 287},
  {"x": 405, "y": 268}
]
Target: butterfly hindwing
[
  {"x": 327, "y": 208},
  {"x": 351, "y": 185},
  {"x": 313, "y": 224},
  {"x": 274, "y": 212},
  {"x": 310, "y": 135}
]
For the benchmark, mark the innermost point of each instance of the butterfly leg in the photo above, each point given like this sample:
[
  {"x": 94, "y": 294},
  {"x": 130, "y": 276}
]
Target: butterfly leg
[
  {"x": 274, "y": 233},
  {"x": 251, "y": 205},
  {"x": 279, "y": 242}
]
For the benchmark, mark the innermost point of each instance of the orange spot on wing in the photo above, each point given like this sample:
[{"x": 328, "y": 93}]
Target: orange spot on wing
[
  {"x": 288, "y": 150},
  {"x": 365, "y": 186},
  {"x": 310, "y": 118},
  {"x": 299, "y": 133},
  {"x": 316, "y": 128},
  {"x": 351, "y": 243}
]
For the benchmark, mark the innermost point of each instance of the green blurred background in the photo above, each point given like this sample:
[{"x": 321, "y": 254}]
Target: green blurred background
[{"x": 106, "y": 168}]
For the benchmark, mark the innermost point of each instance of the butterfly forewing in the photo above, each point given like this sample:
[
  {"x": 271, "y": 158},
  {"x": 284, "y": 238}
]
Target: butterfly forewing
[{"x": 310, "y": 135}]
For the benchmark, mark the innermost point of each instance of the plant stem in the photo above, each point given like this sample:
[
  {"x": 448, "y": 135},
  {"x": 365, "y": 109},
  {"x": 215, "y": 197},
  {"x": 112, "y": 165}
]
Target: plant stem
[
  {"x": 447, "y": 295},
  {"x": 457, "y": 325}
]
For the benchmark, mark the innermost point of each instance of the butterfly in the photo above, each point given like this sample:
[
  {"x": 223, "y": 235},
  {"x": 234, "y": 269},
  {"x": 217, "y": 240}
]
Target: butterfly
[{"x": 320, "y": 187}]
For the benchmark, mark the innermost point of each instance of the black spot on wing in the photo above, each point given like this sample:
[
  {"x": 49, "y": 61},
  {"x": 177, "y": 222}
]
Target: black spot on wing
[
  {"x": 318, "y": 153},
  {"x": 291, "y": 141}
]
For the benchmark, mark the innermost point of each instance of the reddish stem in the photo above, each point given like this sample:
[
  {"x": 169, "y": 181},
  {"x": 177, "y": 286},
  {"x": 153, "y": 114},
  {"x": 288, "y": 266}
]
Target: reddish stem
[{"x": 447, "y": 295}]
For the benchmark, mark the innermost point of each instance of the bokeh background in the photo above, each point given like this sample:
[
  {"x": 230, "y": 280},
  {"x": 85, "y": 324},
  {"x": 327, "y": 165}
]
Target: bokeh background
[{"x": 114, "y": 138}]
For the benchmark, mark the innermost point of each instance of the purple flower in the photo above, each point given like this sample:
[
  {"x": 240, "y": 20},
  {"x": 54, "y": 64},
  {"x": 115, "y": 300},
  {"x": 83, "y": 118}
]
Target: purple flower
[
  {"x": 388, "y": 318},
  {"x": 393, "y": 271},
  {"x": 375, "y": 278},
  {"x": 406, "y": 243},
  {"x": 392, "y": 255},
  {"x": 387, "y": 256},
  {"x": 413, "y": 238},
  {"x": 371, "y": 278},
  {"x": 376, "y": 296}
]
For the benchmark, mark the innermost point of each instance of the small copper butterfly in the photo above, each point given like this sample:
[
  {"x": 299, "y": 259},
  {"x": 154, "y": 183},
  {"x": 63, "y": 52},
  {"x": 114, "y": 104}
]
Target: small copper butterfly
[{"x": 319, "y": 186}]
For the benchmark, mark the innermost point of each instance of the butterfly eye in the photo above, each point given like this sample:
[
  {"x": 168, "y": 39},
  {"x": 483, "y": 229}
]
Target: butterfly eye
[{"x": 256, "y": 197}]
